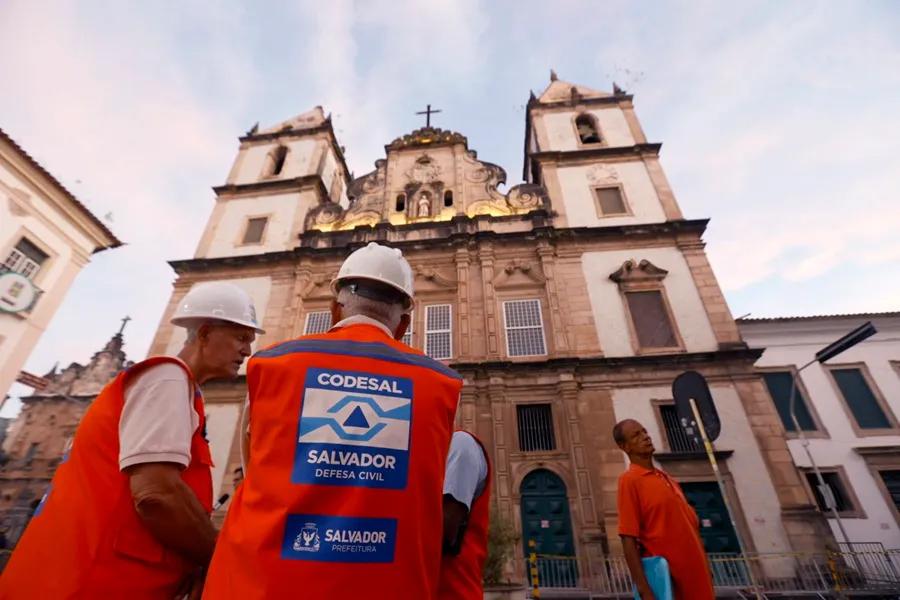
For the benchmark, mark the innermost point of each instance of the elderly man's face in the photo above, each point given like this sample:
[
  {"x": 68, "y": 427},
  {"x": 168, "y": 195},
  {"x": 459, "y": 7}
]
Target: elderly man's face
[
  {"x": 225, "y": 347},
  {"x": 637, "y": 440}
]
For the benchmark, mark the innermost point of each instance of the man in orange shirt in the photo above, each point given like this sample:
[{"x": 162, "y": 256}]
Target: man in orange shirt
[{"x": 655, "y": 519}]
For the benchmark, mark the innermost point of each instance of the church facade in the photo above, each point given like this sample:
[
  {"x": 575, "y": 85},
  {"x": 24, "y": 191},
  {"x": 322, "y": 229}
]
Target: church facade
[
  {"x": 42, "y": 433},
  {"x": 568, "y": 302}
]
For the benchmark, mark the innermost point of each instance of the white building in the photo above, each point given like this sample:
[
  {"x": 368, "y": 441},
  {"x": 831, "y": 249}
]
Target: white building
[
  {"x": 46, "y": 237},
  {"x": 849, "y": 410}
]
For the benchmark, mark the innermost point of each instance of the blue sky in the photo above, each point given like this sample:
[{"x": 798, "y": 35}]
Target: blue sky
[{"x": 779, "y": 121}]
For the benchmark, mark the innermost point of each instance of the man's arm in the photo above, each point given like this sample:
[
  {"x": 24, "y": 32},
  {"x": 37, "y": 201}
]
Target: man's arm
[
  {"x": 464, "y": 478},
  {"x": 636, "y": 567},
  {"x": 171, "y": 512}
]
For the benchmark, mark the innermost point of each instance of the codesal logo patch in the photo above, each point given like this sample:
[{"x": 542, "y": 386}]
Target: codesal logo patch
[
  {"x": 330, "y": 538},
  {"x": 354, "y": 429}
]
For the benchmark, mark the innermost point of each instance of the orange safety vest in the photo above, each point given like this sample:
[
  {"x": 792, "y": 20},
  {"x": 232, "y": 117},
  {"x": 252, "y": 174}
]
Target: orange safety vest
[
  {"x": 462, "y": 576},
  {"x": 86, "y": 540},
  {"x": 342, "y": 496}
]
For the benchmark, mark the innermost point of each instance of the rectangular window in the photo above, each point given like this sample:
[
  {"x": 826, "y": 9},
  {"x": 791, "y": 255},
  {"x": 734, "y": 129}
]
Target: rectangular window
[
  {"x": 25, "y": 258},
  {"x": 610, "y": 201},
  {"x": 651, "y": 319},
  {"x": 861, "y": 399},
  {"x": 779, "y": 384},
  {"x": 524, "y": 328},
  {"x": 255, "y": 228},
  {"x": 438, "y": 331},
  {"x": 317, "y": 322},
  {"x": 535, "y": 423},
  {"x": 679, "y": 441},
  {"x": 834, "y": 483}
]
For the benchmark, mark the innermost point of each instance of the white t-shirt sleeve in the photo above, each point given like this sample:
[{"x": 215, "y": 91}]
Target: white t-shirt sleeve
[
  {"x": 158, "y": 418},
  {"x": 466, "y": 469}
]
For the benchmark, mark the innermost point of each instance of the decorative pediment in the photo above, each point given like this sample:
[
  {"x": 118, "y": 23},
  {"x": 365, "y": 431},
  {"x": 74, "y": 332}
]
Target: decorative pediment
[
  {"x": 431, "y": 278},
  {"x": 519, "y": 273},
  {"x": 632, "y": 272},
  {"x": 317, "y": 286}
]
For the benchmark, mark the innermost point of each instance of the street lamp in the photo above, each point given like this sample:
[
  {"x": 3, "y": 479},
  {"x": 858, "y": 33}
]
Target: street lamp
[{"x": 830, "y": 351}]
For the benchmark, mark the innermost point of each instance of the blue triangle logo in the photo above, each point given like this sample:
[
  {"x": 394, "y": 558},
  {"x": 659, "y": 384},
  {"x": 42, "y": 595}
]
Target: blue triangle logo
[{"x": 356, "y": 419}]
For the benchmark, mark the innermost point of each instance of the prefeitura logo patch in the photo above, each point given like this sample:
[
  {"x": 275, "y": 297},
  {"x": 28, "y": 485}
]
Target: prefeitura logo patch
[
  {"x": 354, "y": 430},
  {"x": 329, "y": 538}
]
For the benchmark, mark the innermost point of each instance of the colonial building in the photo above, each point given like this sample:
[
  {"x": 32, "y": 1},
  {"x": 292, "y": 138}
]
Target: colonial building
[
  {"x": 568, "y": 302},
  {"x": 43, "y": 430},
  {"x": 46, "y": 237},
  {"x": 848, "y": 410}
]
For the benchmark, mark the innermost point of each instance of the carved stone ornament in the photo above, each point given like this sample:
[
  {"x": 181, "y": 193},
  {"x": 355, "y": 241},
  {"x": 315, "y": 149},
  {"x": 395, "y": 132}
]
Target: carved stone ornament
[
  {"x": 631, "y": 272},
  {"x": 519, "y": 272},
  {"x": 430, "y": 275},
  {"x": 328, "y": 213},
  {"x": 426, "y": 136},
  {"x": 602, "y": 174},
  {"x": 425, "y": 170}
]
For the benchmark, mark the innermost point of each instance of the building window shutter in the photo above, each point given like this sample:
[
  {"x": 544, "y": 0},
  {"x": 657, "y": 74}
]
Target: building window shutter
[
  {"x": 861, "y": 399},
  {"x": 254, "y": 232},
  {"x": 610, "y": 201},
  {"x": 317, "y": 322},
  {"x": 25, "y": 258},
  {"x": 438, "y": 331},
  {"x": 524, "y": 328},
  {"x": 779, "y": 384},
  {"x": 535, "y": 423},
  {"x": 651, "y": 319}
]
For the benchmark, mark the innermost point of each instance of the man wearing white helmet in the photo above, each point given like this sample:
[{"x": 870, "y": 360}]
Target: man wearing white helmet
[
  {"x": 349, "y": 432},
  {"x": 127, "y": 513}
]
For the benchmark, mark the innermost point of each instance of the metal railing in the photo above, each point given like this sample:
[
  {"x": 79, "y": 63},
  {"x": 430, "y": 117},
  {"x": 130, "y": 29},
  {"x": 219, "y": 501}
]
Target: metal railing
[{"x": 869, "y": 569}]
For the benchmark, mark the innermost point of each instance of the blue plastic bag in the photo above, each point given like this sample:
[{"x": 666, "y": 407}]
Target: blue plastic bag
[{"x": 656, "y": 569}]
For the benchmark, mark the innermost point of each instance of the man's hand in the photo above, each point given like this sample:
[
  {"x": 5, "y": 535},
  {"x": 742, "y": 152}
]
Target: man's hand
[
  {"x": 169, "y": 509},
  {"x": 636, "y": 567}
]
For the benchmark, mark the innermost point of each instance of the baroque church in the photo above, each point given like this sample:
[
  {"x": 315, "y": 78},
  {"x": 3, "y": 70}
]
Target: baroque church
[
  {"x": 568, "y": 302},
  {"x": 41, "y": 434}
]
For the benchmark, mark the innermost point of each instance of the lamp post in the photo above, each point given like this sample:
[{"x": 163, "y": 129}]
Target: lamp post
[{"x": 848, "y": 341}]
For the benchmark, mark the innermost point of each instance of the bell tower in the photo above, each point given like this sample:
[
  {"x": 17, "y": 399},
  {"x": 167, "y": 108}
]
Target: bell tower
[{"x": 278, "y": 176}]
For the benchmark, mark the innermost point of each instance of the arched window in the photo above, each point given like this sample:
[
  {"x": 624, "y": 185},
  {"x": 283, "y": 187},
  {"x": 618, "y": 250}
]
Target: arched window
[
  {"x": 448, "y": 198},
  {"x": 400, "y": 206},
  {"x": 587, "y": 129},
  {"x": 275, "y": 161}
]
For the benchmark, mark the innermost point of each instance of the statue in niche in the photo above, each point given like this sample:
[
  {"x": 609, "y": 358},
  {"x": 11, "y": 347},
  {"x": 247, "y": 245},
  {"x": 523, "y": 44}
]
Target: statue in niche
[{"x": 424, "y": 205}]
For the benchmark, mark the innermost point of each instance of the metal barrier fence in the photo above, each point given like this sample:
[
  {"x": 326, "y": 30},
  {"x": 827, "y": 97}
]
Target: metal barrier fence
[{"x": 870, "y": 569}]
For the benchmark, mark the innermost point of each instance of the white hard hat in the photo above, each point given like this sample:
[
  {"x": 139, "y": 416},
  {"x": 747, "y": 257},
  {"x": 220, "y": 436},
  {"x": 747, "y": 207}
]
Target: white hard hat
[
  {"x": 377, "y": 263},
  {"x": 216, "y": 300}
]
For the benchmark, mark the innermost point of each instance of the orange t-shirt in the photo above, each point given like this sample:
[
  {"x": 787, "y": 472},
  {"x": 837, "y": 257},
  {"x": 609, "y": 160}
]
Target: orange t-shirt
[{"x": 653, "y": 509}]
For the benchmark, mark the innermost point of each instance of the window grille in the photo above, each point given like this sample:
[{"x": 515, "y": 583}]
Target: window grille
[
  {"x": 317, "y": 322},
  {"x": 535, "y": 427},
  {"x": 438, "y": 331},
  {"x": 679, "y": 441},
  {"x": 524, "y": 328}
]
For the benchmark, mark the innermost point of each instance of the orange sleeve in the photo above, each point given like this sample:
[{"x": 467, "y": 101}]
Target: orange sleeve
[{"x": 629, "y": 508}]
